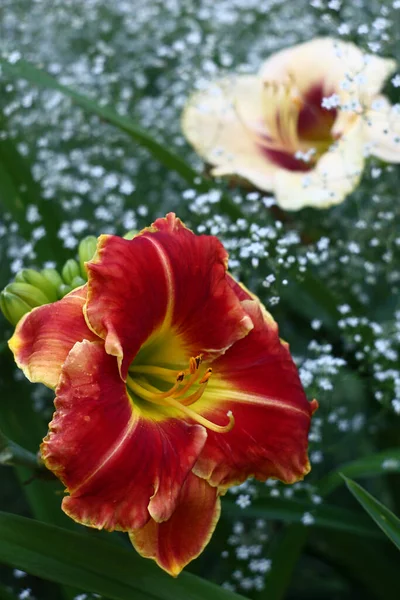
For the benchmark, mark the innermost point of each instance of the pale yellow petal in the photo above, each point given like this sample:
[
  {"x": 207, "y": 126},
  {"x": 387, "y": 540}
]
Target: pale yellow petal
[
  {"x": 222, "y": 123},
  {"x": 382, "y": 128},
  {"x": 340, "y": 67},
  {"x": 335, "y": 175}
]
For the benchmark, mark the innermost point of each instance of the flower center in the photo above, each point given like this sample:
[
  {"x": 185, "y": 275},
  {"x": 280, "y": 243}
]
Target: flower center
[
  {"x": 188, "y": 387},
  {"x": 296, "y": 130}
]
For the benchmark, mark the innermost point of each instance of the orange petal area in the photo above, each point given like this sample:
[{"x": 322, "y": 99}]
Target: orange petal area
[
  {"x": 257, "y": 380},
  {"x": 119, "y": 467},
  {"x": 182, "y": 538},
  {"x": 166, "y": 281},
  {"x": 44, "y": 337}
]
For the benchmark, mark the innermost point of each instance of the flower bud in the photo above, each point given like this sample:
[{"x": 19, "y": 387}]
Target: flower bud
[
  {"x": 77, "y": 282},
  {"x": 53, "y": 276},
  {"x": 70, "y": 270},
  {"x": 130, "y": 234},
  {"x": 64, "y": 289},
  {"x": 39, "y": 281},
  {"x": 86, "y": 251},
  {"x": 18, "y": 298},
  {"x": 28, "y": 293},
  {"x": 13, "y": 307}
]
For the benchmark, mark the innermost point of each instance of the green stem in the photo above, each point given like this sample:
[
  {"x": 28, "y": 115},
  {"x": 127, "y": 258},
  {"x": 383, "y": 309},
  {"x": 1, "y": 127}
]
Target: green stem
[{"x": 13, "y": 455}]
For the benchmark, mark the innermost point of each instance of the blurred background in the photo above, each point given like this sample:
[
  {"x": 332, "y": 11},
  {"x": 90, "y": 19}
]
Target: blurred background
[{"x": 329, "y": 277}]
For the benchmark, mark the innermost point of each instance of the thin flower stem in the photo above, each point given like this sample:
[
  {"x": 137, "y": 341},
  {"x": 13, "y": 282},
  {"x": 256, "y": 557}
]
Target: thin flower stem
[{"x": 13, "y": 455}]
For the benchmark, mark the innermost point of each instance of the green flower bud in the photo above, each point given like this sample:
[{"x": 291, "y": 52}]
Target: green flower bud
[
  {"x": 86, "y": 251},
  {"x": 77, "y": 282},
  {"x": 53, "y": 276},
  {"x": 130, "y": 234},
  {"x": 39, "y": 281},
  {"x": 70, "y": 270},
  {"x": 28, "y": 293},
  {"x": 64, "y": 289},
  {"x": 13, "y": 307}
]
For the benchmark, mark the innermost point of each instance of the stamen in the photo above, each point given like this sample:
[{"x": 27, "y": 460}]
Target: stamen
[
  {"x": 202, "y": 420},
  {"x": 174, "y": 396},
  {"x": 160, "y": 372},
  {"x": 193, "y": 397},
  {"x": 154, "y": 397},
  {"x": 194, "y": 365},
  {"x": 206, "y": 376},
  {"x": 282, "y": 104}
]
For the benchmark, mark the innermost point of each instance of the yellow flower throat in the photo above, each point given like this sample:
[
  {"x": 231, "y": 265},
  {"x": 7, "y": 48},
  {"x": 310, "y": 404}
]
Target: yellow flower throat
[{"x": 181, "y": 395}]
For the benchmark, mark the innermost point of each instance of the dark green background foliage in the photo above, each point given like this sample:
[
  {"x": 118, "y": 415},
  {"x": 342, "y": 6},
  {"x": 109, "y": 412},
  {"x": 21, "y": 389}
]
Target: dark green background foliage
[{"x": 90, "y": 143}]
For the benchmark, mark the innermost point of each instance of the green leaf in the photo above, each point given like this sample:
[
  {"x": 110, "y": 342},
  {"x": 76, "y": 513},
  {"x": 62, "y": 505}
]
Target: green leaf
[
  {"x": 381, "y": 463},
  {"x": 5, "y": 594},
  {"x": 162, "y": 153},
  {"x": 11, "y": 199},
  {"x": 383, "y": 517},
  {"x": 292, "y": 511},
  {"x": 18, "y": 189},
  {"x": 285, "y": 556},
  {"x": 371, "y": 566},
  {"x": 20, "y": 423},
  {"x": 94, "y": 565}
]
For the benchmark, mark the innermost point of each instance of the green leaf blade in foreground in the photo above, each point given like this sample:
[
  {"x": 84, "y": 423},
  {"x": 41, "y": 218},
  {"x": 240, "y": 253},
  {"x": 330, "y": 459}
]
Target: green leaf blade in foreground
[
  {"x": 285, "y": 556},
  {"x": 94, "y": 565},
  {"x": 381, "y": 463},
  {"x": 383, "y": 517},
  {"x": 5, "y": 594},
  {"x": 292, "y": 511}
]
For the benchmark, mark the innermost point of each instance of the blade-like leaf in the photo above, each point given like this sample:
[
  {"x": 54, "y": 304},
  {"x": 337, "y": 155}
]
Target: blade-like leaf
[
  {"x": 18, "y": 189},
  {"x": 383, "y": 517},
  {"x": 284, "y": 557},
  {"x": 162, "y": 153},
  {"x": 371, "y": 566},
  {"x": 381, "y": 463},
  {"x": 19, "y": 422},
  {"x": 294, "y": 511},
  {"x": 95, "y": 565},
  {"x": 6, "y": 595}
]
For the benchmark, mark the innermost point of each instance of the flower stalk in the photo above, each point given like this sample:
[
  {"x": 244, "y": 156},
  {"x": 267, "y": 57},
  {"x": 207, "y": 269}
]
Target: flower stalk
[{"x": 13, "y": 455}]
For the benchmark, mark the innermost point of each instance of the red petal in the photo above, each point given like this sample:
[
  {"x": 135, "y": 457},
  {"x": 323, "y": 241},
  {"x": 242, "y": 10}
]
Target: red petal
[
  {"x": 165, "y": 277},
  {"x": 119, "y": 466},
  {"x": 44, "y": 337},
  {"x": 182, "y": 538},
  {"x": 257, "y": 380}
]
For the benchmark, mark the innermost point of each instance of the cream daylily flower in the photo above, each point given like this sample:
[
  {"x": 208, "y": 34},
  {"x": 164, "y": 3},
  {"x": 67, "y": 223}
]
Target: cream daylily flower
[{"x": 302, "y": 127}]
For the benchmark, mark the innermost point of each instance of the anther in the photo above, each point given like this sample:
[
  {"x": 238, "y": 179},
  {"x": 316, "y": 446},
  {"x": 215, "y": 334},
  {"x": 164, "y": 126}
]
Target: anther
[{"x": 206, "y": 376}]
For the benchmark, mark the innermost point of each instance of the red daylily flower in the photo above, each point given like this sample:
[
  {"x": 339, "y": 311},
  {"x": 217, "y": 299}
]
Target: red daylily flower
[{"x": 171, "y": 385}]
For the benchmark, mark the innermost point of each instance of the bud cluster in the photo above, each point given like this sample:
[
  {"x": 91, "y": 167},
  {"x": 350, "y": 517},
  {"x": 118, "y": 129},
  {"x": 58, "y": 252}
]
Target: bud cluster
[{"x": 32, "y": 288}]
